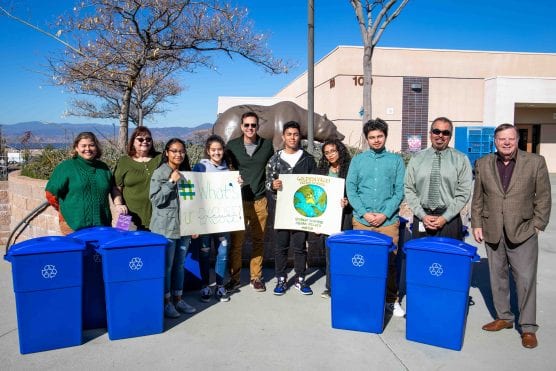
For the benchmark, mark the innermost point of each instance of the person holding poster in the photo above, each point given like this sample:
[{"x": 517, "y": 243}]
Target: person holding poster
[
  {"x": 249, "y": 154},
  {"x": 374, "y": 186},
  {"x": 335, "y": 163},
  {"x": 290, "y": 160},
  {"x": 165, "y": 220},
  {"x": 214, "y": 150}
]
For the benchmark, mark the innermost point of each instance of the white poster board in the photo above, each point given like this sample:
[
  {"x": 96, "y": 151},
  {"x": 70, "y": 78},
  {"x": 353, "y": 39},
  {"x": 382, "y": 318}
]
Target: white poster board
[
  {"x": 310, "y": 203},
  {"x": 210, "y": 202}
]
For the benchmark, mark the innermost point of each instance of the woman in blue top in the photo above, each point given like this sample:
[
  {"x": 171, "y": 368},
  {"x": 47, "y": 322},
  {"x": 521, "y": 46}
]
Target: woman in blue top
[
  {"x": 215, "y": 161},
  {"x": 165, "y": 220}
]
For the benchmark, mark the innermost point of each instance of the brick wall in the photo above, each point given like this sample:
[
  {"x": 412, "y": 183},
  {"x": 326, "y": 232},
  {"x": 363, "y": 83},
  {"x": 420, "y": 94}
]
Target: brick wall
[{"x": 415, "y": 110}]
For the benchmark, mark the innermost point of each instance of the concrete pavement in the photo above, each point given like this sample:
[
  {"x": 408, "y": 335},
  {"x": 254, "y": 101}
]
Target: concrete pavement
[{"x": 293, "y": 332}]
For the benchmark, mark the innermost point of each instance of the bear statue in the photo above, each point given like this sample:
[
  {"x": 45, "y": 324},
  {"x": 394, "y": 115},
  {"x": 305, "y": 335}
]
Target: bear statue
[{"x": 271, "y": 121}]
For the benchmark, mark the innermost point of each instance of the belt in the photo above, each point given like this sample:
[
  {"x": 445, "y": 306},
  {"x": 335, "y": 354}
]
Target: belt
[{"x": 437, "y": 211}]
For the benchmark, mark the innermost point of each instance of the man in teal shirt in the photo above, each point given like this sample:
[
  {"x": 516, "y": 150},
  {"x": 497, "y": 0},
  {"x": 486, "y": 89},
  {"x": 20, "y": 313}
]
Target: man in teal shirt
[
  {"x": 374, "y": 186},
  {"x": 436, "y": 204}
]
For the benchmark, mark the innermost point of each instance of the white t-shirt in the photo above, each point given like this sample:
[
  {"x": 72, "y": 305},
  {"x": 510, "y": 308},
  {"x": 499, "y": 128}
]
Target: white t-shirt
[{"x": 291, "y": 158}]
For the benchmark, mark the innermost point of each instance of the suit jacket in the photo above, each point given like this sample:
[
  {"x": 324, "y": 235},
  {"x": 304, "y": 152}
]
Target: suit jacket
[{"x": 522, "y": 208}]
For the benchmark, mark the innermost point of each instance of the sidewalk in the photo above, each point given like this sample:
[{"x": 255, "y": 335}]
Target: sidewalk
[{"x": 262, "y": 331}]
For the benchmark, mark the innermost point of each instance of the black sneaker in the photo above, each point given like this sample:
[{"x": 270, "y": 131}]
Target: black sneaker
[
  {"x": 303, "y": 287},
  {"x": 281, "y": 286},
  {"x": 222, "y": 294},
  {"x": 232, "y": 285},
  {"x": 206, "y": 294}
]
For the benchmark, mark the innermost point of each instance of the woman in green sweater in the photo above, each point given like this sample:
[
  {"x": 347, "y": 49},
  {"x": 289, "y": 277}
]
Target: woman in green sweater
[
  {"x": 133, "y": 176},
  {"x": 79, "y": 187}
]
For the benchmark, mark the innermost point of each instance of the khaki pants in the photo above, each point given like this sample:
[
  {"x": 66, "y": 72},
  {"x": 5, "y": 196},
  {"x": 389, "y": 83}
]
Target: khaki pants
[
  {"x": 393, "y": 231},
  {"x": 255, "y": 214}
]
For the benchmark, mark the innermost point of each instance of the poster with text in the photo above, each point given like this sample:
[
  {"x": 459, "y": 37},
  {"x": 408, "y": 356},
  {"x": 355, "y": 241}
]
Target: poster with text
[
  {"x": 310, "y": 203},
  {"x": 210, "y": 202}
]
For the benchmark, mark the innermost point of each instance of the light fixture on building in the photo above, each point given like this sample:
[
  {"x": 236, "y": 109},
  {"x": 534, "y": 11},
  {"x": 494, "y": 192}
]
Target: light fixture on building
[{"x": 416, "y": 88}]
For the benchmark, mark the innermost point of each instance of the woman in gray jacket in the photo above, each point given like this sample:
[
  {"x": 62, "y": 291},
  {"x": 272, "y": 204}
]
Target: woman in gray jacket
[{"x": 165, "y": 221}]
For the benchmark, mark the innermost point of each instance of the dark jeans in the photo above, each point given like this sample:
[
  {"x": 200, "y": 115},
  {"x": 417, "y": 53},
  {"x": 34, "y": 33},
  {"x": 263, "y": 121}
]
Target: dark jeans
[
  {"x": 284, "y": 238},
  {"x": 452, "y": 229}
]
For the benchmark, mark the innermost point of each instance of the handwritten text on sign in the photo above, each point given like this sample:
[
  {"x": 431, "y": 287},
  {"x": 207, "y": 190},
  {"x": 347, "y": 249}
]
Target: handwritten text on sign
[
  {"x": 309, "y": 203},
  {"x": 210, "y": 202}
]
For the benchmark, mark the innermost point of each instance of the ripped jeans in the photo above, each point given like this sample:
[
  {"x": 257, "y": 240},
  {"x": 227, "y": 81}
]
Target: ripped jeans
[
  {"x": 221, "y": 242},
  {"x": 175, "y": 273}
]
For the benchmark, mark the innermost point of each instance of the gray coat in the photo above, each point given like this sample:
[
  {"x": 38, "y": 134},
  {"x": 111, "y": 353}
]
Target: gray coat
[{"x": 163, "y": 194}]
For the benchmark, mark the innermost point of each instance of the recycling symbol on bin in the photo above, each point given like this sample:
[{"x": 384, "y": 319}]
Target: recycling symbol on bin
[
  {"x": 135, "y": 264},
  {"x": 358, "y": 260},
  {"x": 49, "y": 271},
  {"x": 97, "y": 258},
  {"x": 436, "y": 269}
]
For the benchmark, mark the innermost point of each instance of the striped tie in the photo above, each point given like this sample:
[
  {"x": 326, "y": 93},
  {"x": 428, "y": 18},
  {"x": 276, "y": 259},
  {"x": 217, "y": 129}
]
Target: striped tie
[{"x": 434, "y": 186}]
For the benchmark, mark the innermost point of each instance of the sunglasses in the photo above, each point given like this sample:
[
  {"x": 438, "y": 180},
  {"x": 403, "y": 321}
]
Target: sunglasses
[
  {"x": 250, "y": 125},
  {"x": 446, "y": 133},
  {"x": 141, "y": 140}
]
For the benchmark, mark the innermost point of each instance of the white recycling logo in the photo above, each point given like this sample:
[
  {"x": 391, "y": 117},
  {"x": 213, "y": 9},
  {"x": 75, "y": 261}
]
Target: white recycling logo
[
  {"x": 436, "y": 269},
  {"x": 49, "y": 271},
  {"x": 97, "y": 258},
  {"x": 135, "y": 264},
  {"x": 358, "y": 260}
]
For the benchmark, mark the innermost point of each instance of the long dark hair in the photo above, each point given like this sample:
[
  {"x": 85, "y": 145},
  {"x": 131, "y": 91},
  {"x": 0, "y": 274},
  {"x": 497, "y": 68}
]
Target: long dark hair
[
  {"x": 184, "y": 166},
  {"x": 218, "y": 139},
  {"x": 344, "y": 158},
  {"x": 140, "y": 131}
]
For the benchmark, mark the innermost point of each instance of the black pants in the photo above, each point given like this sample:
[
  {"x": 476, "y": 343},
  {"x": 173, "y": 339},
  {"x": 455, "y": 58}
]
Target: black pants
[
  {"x": 284, "y": 238},
  {"x": 452, "y": 229}
]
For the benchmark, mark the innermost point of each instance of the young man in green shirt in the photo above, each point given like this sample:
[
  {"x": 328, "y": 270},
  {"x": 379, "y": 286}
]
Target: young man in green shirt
[{"x": 249, "y": 154}]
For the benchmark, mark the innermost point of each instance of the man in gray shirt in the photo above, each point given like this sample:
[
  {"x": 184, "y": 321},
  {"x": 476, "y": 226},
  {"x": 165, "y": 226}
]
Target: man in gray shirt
[{"x": 438, "y": 185}]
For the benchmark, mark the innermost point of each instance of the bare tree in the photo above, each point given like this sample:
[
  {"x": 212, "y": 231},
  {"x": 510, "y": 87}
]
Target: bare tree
[
  {"x": 373, "y": 16},
  {"x": 125, "y": 52}
]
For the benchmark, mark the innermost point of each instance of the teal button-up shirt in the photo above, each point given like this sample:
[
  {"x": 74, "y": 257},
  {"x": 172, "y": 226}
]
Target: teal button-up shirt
[
  {"x": 455, "y": 184},
  {"x": 375, "y": 184}
]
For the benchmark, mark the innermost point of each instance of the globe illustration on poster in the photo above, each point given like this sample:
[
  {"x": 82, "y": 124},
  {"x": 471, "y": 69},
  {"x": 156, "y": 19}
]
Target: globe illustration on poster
[{"x": 310, "y": 200}]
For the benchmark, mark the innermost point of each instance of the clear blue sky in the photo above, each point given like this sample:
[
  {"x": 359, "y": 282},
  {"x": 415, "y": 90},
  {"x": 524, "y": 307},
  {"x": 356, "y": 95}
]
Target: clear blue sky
[{"x": 502, "y": 25}]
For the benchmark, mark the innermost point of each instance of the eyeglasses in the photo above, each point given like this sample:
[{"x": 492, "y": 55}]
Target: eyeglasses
[
  {"x": 446, "y": 133},
  {"x": 250, "y": 125},
  {"x": 332, "y": 152},
  {"x": 141, "y": 140},
  {"x": 176, "y": 152}
]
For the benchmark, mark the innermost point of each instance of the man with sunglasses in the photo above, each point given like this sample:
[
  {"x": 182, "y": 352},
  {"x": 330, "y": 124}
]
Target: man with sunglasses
[
  {"x": 249, "y": 154},
  {"x": 438, "y": 185}
]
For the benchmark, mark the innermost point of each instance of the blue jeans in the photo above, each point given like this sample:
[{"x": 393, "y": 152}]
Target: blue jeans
[
  {"x": 221, "y": 242},
  {"x": 175, "y": 258}
]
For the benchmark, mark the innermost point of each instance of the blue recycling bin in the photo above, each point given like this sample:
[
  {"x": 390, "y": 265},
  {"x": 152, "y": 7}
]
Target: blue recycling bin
[
  {"x": 438, "y": 276},
  {"x": 192, "y": 280},
  {"x": 358, "y": 271},
  {"x": 133, "y": 267},
  {"x": 94, "y": 304},
  {"x": 47, "y": 280}
]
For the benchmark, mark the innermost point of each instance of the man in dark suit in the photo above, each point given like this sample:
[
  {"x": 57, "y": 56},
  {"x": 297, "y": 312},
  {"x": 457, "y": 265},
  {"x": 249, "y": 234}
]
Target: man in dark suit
[{"x": 511, "y": 204}]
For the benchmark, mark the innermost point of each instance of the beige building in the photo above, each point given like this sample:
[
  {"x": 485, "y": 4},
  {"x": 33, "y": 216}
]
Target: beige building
[{"x": 413, "y": 86}]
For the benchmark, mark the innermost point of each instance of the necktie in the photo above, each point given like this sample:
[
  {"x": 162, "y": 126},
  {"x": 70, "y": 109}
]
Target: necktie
[{"x": 434, "y": 185}]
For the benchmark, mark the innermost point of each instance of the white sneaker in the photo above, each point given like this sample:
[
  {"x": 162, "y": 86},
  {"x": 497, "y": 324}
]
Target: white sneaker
[
  {"x": 170, "y": 311},
  {"x": 183, "y": 307},
  {"x": 396, "y": 309}
]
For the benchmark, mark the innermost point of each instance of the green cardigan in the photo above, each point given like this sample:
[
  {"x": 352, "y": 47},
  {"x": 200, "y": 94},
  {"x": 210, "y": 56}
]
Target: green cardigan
[
  {"x": 82, "y": 188},
  {"x": 134, "y": 178}
]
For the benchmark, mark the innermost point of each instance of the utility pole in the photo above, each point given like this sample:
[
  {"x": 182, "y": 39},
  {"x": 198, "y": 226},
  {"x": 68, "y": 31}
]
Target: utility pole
[{"x": 310, "y": 75}]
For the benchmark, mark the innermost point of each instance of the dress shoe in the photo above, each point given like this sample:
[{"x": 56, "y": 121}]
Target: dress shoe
[
  {"x": 529, "y": 340},
  {"x": 497, "y": 325}
]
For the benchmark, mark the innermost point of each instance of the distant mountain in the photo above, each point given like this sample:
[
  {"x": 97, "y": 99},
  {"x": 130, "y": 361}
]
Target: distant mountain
[{"x": 64, "y": 133}]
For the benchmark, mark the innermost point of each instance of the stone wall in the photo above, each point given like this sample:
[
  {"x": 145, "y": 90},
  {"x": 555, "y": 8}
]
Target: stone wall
[
  {"x": 4, "y": 213},
  {"x": 25, "y": 194}
]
